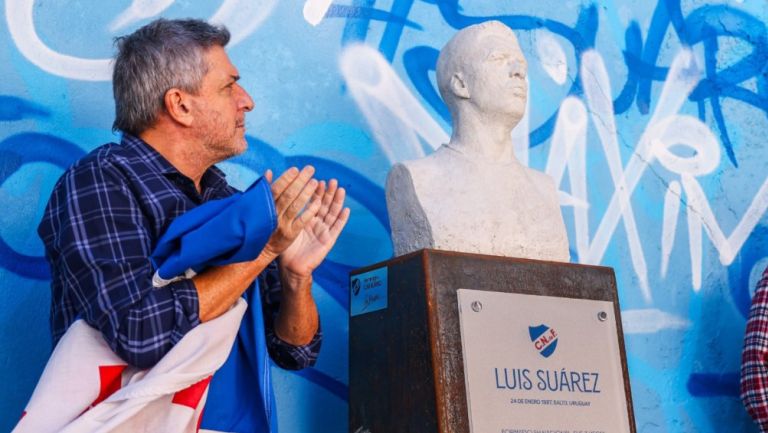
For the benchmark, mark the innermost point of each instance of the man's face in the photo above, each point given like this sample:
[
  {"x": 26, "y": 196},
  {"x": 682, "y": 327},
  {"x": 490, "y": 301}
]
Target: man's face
[
  {"x": 220, "y": 107},
  {"x": 496, "y": 78}
]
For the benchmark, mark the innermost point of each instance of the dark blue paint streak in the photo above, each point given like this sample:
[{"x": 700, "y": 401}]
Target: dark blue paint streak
[
  {"x": 656, "y": 31},
  {"x": 14, "y": 108},
  {"x": 633, "y": 40},
  {"x": 335, "y": 387},
  {"x": 582, "y": 36},
  {"x": 342, "y": 11},
  {"x": 704, "y": 25},
  {"x": 32, "y": 267},
  {"x": 16, "y": 151},
  {"x": 418, "y": 62},
  {"x": 394, "y": 30},
  {"x": 36, "y": 147},
  {"x": 713, "y": 385},
  {"x": 356, "y": 27}
]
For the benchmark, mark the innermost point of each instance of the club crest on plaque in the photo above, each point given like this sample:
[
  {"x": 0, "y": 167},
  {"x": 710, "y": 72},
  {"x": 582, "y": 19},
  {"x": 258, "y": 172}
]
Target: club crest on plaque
[{"x": 544, "y": 339}]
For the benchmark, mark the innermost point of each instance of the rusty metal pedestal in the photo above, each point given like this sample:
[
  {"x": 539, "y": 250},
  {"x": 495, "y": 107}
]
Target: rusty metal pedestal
[{"x": 406, "y": 372}]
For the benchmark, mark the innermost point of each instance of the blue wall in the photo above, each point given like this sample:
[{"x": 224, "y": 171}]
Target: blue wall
[{"x": 651, "y": 115}]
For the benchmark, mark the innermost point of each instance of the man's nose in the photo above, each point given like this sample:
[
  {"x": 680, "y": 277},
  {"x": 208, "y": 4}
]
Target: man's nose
[{"x": 244, "y": 99}]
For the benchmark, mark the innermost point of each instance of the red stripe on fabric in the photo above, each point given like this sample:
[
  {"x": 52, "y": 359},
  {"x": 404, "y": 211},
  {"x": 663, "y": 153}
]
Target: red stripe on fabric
[
  {"x": 110, "y": 380},
  {"x": 191, "y": 396}
]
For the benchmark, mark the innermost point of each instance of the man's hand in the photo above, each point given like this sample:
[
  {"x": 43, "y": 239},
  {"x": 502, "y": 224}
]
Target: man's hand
[
  {"x": 292, "y": 191},
  {"x": 302, "y": 240},
  {"x": 318, "y": 235},
  {"x": 218, "y": 287}
]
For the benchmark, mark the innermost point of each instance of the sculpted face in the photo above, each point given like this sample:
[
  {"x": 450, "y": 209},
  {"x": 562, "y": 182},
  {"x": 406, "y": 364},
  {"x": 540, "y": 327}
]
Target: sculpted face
[
  {"x": 483, "y": 68},
  {"x": 220, "y": 107},
  {"x": 495, "y": 75}
]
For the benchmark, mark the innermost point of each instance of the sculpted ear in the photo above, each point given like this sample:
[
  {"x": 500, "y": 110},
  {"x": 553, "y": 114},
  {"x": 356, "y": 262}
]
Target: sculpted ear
[
  {"x": 459, "y": 86},
  {"x": 178, "y": 106}
]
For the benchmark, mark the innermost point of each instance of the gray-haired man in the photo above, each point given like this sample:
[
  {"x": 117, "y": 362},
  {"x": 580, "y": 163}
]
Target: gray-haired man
[{"x": 181, "y": 110}]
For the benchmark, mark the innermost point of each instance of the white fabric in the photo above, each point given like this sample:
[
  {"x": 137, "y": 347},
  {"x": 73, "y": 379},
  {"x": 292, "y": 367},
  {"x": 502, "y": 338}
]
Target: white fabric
[
  {"x": 70, "y": 382},
  {"x": 158, "y": 281}
]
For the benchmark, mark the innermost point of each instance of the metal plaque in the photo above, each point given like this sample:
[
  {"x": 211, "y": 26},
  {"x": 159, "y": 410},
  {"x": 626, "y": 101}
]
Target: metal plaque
[{"x": 541, "y": 364}]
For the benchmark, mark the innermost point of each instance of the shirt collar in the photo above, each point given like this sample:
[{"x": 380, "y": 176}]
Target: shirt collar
[{"x": 213, "y": 177}]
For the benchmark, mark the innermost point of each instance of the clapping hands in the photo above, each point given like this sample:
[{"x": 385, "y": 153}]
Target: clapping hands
[{"x": 310, "y": 218}]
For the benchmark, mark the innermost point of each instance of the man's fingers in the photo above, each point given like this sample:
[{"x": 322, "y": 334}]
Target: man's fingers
[
  {"x": 282, "y": 182},
  {"x": 321, "y": 188},
  {"x": 268, "y": 176},
  {"x": 333, "y": 185},
  {"x": 339, "y": 224},
  {"x": 336, "y": 206},
  {"x": 301, "y": 200},
  {"x": 294, "y": 189},
  {"x": 317, "y": 198},
  {"x": 306, "y": 216}
]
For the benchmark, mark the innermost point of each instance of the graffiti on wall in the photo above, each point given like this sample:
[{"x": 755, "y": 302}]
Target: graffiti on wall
[{"x": 648, "y": 117}]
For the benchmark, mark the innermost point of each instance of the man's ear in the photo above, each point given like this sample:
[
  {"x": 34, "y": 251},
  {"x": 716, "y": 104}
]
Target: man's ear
[
  {"x": 459, "y": 86},
  {"x": 178, "y": 106}
]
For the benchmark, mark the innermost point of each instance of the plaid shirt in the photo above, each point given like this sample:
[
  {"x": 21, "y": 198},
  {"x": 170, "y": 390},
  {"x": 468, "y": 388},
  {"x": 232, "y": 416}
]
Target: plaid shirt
[
  {"x": 102, "y": 222},
  {"x": 754, "y": 358}
]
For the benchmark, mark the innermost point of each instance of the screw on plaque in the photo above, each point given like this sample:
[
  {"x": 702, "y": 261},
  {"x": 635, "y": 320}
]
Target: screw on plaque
[
  {"x": 477, "y": 306},
  {"x": 602, "y": 316}
]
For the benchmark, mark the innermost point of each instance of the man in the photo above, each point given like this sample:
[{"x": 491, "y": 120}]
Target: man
[
  {"x": 181, "y": 110},
  {"x": 754, "y": 358}
]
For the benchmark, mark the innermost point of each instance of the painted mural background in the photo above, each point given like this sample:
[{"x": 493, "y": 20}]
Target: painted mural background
[{"x": 650, "y": 115}]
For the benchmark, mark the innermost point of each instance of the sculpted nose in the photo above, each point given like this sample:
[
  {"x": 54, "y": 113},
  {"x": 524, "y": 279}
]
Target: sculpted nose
[{"x": 517, "y": 70}]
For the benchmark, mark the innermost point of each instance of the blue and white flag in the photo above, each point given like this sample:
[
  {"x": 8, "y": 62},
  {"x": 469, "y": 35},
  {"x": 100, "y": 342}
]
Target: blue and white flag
[{"x": 218, "y": 232}]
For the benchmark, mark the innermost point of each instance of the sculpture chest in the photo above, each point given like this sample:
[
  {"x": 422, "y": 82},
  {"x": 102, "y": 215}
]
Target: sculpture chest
[{"x": 497, "y": 209}]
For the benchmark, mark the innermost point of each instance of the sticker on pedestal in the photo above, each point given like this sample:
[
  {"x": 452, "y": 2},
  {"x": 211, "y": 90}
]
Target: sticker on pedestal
[{"x": 368, "y": 292}]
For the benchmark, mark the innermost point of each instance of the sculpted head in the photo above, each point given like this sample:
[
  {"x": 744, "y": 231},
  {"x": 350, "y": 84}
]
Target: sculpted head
[{"x": 482, "y": 69}]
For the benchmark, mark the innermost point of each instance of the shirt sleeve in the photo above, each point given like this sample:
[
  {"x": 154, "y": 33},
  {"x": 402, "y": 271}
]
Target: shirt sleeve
[
  {"x": 754, "y": 365},
  {"x": 284, "y": 354},
  {"x": 99, "y": 252}
]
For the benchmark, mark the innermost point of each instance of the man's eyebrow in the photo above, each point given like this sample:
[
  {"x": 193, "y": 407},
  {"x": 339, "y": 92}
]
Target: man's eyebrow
[{"x": 232, "y": 80}]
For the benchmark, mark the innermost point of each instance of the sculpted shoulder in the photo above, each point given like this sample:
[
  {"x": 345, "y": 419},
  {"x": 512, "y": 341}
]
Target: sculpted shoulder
[
  {"x": 543, "y": 182},
  {"x": 436, "y": 169},
  {"x": 410, "y": 228}
]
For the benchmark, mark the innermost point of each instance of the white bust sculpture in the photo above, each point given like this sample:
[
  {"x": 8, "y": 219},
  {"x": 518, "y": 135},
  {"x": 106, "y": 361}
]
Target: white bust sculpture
[{"x": 472, "y": 195}]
